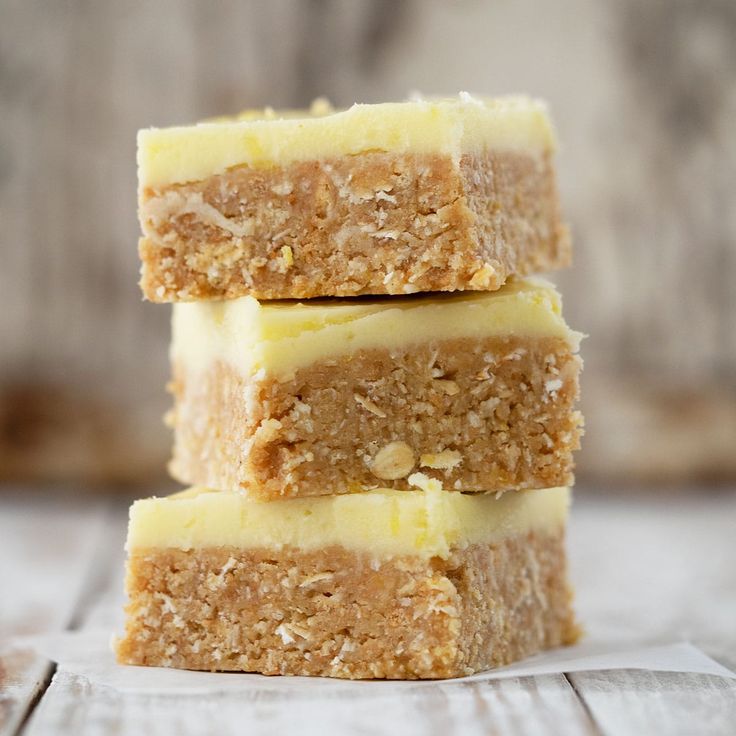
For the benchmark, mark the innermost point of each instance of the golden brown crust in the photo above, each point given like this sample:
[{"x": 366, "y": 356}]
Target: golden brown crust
[
  {"x": 494, "y": 414},
  {"x": 377, "y": 223},
  {"x": 340, "y": 613}
]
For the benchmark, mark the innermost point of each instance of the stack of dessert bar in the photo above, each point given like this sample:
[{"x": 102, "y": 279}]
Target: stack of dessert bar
[{"x": 374, "y": 407}]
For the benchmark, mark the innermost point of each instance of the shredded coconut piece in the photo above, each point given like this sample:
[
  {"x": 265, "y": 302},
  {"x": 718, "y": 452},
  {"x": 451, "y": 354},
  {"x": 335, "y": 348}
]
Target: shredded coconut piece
[
  {"x": 369, "y": 406},
  {"x": 384, "y": 196},
  {"x": 287, "y": 256},
  {"x": 449, "y": 387},
  {"x": 482, "y": 277},
  {"x": 424, "y": 483},
  {"x": 316, "y": 578},
  {"x": 283, "y": 189},
  {"x": 283, "y": 632},
  {"x": 229, "y": 565},
  {"x": 445, "y": 460}
]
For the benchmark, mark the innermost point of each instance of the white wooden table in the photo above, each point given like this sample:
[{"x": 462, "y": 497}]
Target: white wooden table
[{"x": 651, "y": 568}]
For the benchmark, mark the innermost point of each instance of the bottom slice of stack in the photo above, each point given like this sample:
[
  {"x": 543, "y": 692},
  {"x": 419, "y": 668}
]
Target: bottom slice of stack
[{"x": 382, "y": 584}]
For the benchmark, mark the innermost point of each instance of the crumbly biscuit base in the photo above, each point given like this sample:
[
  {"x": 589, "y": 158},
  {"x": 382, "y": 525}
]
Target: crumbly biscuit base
[
  {"x": 340, "y": 613},
  {"x": 489, "y": 414},
  {"x": 377, "y": 223}
]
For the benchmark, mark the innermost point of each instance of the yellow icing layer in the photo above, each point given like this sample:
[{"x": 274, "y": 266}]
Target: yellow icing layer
[
  {"x": 424, "y": 522},
  {"x": 279, "y": 337},
  {"x": 267, "y": 139}
]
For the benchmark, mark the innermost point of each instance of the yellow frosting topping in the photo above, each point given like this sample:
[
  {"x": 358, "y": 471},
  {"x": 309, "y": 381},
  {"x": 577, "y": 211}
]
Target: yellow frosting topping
[
  {"x": 427, "y": 522},
  {"x": 266, "y": 138},
  {"x": 279, "y": 337}
]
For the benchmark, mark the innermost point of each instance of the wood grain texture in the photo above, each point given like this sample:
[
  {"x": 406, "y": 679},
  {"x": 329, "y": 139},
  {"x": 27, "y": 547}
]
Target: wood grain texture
[
  {"x": 628, "y": 702},
  {"x": 545, "y": 705},
  {"x": 47, "y": 552},
  {"x": 658, "y": 569},
  {"x": 644, "y": 98}
]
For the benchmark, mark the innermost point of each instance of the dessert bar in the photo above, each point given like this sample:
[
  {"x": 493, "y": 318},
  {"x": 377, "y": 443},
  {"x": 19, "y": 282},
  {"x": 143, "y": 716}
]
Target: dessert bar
[
  {"x": 386, "y": 584},
  {"x": 283, "y": 399},
  {"x": 395, "y": 198}
]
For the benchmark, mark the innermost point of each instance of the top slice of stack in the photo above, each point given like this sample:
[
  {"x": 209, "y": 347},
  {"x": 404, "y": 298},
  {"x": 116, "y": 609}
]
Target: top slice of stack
[{"x": 396, "y": 198}]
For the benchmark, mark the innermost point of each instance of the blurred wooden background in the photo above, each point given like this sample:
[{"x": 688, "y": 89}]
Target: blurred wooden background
[{"x": 644, "y": 96}]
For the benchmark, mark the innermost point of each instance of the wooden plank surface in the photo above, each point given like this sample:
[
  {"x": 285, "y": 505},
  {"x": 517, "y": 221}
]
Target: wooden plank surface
[
  {"x": 48, "y": 549},
  {"x": 660, "y": 569},
  {"x": 626, "y": 702},
  {"x": 655, "y": 568},
  {"x": 545, "y": 705}
]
